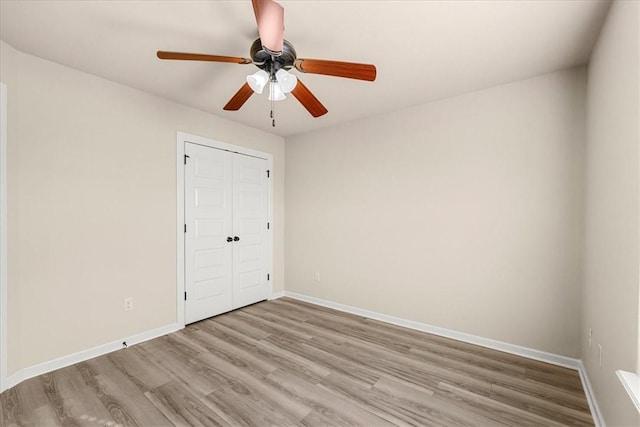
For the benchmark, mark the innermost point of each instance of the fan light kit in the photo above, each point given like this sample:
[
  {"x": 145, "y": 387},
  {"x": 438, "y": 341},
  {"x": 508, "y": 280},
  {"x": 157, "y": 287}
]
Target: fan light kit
[
  {"x": 275, "y": 56},
  {"x": 283, "y": 82}
]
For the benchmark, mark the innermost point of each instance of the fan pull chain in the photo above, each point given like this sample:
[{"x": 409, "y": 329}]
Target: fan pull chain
[{"x": 273, "y": 105}]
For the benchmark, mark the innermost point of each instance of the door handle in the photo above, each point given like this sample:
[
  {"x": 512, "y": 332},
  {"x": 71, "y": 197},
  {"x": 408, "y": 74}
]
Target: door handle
[
  {"x": 236, "y": 238},
  {"x": 229, "y": 239}
]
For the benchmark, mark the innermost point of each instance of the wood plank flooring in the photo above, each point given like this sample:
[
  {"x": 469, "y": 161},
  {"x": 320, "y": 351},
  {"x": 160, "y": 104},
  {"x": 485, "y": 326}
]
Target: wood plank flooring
[{"x": 286, "y": 362}]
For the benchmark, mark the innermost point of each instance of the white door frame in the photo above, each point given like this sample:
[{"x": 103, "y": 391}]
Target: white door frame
[
  {"x": 3, "y": 236},
  {"x": 183, "y": 138}
]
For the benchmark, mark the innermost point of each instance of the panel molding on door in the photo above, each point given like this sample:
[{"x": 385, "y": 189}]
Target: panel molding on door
[{"x": 226, "y": 244}]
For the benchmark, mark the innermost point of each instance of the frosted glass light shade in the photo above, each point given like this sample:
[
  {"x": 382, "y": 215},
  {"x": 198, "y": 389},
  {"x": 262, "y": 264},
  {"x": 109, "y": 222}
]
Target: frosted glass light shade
[
  {"x": 258, "y": 80},
  {"x": 286, "y": 80},
  {"x": 275, "y": 93}
]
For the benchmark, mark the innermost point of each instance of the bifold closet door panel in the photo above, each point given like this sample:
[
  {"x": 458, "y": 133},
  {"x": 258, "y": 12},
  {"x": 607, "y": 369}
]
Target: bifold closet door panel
[
  {"x": 250, "y": 216},
  {"x": 208, "y": 217}
]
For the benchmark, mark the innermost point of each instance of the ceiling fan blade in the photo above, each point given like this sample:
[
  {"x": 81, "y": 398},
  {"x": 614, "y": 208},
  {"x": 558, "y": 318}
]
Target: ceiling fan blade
[
  {"x": 200, "y": 57},
  {"x": 270, "y": 20},
  {"x": 239, "y": 98},
  {"x": 350, "y": 70},
  {"x": 308, "y": 100}
]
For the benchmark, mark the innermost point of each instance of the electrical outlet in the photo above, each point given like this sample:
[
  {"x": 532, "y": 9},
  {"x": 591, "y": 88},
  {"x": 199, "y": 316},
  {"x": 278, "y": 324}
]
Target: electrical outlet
[
  {"x": 128, "y": 304},
  {"x": 590, "y": 338},
  {"x": 316, "y": 276}
]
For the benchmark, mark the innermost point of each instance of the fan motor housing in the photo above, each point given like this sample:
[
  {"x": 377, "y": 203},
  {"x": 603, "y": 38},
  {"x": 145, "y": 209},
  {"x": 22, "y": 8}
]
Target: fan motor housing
[{"x": 263, "y": 59}]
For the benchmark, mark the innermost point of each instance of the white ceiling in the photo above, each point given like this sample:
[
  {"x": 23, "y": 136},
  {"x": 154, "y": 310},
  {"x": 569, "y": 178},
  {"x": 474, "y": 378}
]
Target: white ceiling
[{"x": 423, "y": 50}]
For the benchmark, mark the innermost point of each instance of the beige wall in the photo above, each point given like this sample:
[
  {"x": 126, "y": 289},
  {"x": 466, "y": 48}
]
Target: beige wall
[
  {"x": 92, "y": 206},
  {"x": 464, "y": 214},
  {"x": 611, "y": 272}
]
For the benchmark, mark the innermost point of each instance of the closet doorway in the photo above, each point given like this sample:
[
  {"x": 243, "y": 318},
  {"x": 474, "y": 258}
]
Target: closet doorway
[{"x": 226, "y": 228}]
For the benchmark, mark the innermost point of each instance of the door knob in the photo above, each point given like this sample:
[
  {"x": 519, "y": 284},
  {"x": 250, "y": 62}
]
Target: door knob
[
  {"x": 229, "y": 239},
  {"x": 236, "y": 238}
]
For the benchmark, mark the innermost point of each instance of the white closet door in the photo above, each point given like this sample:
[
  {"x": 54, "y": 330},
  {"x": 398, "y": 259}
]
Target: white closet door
[
  {"x": 250, "y": 214},
  {"x": 208, "y": 217}
]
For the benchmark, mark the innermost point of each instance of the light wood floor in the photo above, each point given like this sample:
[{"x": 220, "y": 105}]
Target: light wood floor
[{"x": 285, "y": 362}]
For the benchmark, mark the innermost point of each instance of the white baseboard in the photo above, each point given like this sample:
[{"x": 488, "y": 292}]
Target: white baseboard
[
  {"x": 81, "y": 356},
  {"x": 591, "y": 397},
  {"x": 517, "y": 350},
  {"x": 542, "y": 356}
]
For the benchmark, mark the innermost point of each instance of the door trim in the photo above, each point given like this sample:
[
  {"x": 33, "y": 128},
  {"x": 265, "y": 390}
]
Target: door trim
[
  {"x": 181, "y": 140},
  {"x": 3, "y": 236}
]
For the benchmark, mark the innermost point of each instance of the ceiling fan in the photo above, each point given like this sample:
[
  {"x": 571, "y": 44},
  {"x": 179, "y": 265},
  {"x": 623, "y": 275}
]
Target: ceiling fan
[{"x": 274, "y": 56}]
